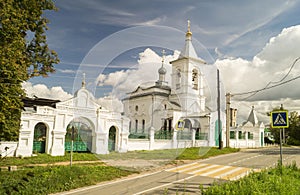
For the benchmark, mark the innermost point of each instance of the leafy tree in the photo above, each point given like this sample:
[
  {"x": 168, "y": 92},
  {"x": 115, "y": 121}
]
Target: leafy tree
[
  {"x": 24, "y": 53},
  {"x": 294, "y": 129},
  {"x": 292, "y": 133}
]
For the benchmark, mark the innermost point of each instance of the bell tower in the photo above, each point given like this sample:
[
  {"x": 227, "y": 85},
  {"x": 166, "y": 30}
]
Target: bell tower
[{"x": 187, "y": 78}]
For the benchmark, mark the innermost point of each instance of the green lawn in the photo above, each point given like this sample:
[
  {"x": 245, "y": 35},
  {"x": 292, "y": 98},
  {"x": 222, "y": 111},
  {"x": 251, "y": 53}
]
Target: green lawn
[
  {"x": 53, "y": 178},
  {"x": 45, "y": 158},
  {"x": 277, "y": 181},
  {"x": 171, "y": 154}
]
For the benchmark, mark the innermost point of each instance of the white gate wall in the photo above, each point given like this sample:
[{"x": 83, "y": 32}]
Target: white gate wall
[{"x": 8, "y": 149}]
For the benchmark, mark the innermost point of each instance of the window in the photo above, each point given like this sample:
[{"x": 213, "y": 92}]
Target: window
[
  {"x": 130, "y": 126},
  {"x": 241, "y": 135},
  {"x": 143, "y": 123},
  {"x": 195, "y": 79},
  {"x": 136, "y": 125},
  {"x": 250, "y": 135},
  {"x": 136, "y": 108},
  {"x": 178, "y": 78},
  {"x": 232, "y": 135}
]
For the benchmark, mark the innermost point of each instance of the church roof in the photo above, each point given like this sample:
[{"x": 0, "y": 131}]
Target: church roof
[
  {"x": 162, "y": 70},
  {"x": 188, "y": 50},
  {"x": 252, "y": 118},
  {"x": 32, "y": 102}
]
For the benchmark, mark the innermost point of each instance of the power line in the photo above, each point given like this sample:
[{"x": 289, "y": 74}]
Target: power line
[
  {"x": 280, "y": 82},
  {"x": 255, "y": 91}
]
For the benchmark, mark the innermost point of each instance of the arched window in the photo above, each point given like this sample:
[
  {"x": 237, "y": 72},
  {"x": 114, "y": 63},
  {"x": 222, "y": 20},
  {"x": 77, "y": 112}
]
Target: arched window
[
  {"x": 136, "y": 108},
  {"x": 143, "y": 125},
  {"x": 136, "y": 125},
  {"x": 178, "y": 78},
  {"x": 195, "y": 79}
]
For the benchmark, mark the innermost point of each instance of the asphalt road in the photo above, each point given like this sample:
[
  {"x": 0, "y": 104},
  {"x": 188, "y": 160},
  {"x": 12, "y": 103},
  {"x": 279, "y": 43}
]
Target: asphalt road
[{"x": 187, "y": 178}]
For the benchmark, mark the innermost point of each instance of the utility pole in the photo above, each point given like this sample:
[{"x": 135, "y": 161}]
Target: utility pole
[
  {"x": 283, "y": 129},
  {"x": 219, "y": 112},
  {"x": 228, "y": 118}
]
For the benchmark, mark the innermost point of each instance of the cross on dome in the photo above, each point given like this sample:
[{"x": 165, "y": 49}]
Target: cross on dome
[
  {"x": 162, "y": 69},
  {"x": 189, "y": 33}
]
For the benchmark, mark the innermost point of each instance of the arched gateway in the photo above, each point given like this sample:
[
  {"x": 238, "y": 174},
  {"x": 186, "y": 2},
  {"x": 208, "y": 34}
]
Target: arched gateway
[
  {"x": 80, "y": 130},
  {"x": 46, "y": 126},
  {"x": 39, "y": 138}
]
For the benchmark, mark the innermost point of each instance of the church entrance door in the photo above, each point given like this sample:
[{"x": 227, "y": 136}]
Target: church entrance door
[
  {"x": 112, "y": 139},
  {"x": 80, "y": 130},
  {"x": 39, "y": 138}
]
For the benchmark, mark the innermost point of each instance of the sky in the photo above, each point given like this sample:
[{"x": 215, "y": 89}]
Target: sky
[{"x": 118, "y": 45}]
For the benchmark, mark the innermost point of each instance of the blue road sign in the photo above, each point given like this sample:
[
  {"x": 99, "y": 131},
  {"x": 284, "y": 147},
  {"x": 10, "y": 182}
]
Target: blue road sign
[
  {"x": 179, "y": 125},
  {"x": 279, "y": 119}
]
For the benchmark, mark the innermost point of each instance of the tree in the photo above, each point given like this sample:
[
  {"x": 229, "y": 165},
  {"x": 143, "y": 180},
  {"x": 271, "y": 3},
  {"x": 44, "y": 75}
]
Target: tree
[
  {"x": 292, "y": 133},
  {"x": 24, "y": 53},
  {"x": 294, "y": 129}
]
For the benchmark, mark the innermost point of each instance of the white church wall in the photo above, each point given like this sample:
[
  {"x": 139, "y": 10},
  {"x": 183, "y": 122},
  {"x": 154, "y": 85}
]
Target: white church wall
[
  {"x": 136, "y": 144},
  {"x": 8, "y": 149},
  {"x": 161, "y": 144},
  {"x": 243, "y": 144}
]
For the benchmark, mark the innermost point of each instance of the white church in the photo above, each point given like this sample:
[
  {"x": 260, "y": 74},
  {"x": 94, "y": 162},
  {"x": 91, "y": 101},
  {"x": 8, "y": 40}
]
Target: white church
[{"x": 149, "y": 120}]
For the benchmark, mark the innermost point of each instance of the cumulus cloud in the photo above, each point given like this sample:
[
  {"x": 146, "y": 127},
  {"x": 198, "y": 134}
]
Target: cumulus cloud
[
  {"x": 42, "y": 91},
  {"x": 111, "y": 103},
  {"x": 146, "y": 71},
  {"x": 270, "y": 65},
  {"x": 262, "y": 108}
]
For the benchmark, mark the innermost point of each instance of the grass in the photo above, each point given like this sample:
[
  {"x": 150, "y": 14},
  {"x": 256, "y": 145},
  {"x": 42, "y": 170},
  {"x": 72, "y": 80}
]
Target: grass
[
  {"x": 283, "y": 180},
  {"x": 46, "y": 159},
  {"x": 54, "y": 178},
  {"x": 204, "y": 152},
  {"x": 171, "y": 154},
  {"x": 51, "y": 179}
]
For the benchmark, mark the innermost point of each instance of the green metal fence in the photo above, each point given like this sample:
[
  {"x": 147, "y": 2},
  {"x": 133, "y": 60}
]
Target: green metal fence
[
  {"x": 201, "y": 136},
  {"x": 39, "y": 146},
  {"x": 78, "y": 146},
  {"x": 163, "y": 134}
]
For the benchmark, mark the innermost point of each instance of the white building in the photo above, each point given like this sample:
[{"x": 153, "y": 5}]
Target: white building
[
  {"x": 47, "y": 126},
  {"x": 151, "y": 114},
  {"x": 159, "y": 107},
  {"x": 250, "y": 134}
]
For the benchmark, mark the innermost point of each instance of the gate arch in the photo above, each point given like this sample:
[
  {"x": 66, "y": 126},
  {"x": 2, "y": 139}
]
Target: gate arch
[
  {"x": 81, "y": 131},
  {"x": 112, "y": 138},
  {"x": 39, "y": 138}
]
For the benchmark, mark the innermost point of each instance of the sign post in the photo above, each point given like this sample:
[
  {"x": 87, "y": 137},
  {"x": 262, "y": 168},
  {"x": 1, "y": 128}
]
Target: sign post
[
  {"x": 72, "y": 142},
  {"x": 279, "y": 119}
]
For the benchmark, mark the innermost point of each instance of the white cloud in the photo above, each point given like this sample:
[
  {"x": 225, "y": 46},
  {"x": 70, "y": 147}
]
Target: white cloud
[
  {"x": 111, "y": 103},
  {"x": 270, "y": 65},
  {"x": 263, "y": 107},
  {"x": 66, "y": 71},
  {"x": 147, "y": 71},
  {"x": 42, "y": 91}
]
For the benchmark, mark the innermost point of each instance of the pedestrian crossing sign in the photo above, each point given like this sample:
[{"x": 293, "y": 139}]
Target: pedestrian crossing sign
[
  {"x": 179, "y": 125},
  {"x": 279, "y": 119}
]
